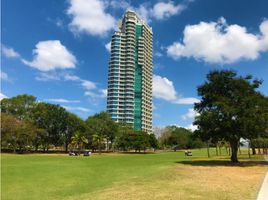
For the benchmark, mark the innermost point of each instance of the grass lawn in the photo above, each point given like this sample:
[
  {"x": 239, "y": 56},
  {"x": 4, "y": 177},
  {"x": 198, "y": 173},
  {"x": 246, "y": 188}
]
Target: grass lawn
[{"x": 130, "y": 176}]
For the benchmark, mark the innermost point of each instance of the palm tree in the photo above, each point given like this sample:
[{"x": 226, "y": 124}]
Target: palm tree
[
  {"x": 78, "y": 141},
  {"x": 98, "y": 140}
]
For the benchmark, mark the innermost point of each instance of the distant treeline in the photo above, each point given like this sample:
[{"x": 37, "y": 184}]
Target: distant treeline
[{"x": 29, "y": 125}]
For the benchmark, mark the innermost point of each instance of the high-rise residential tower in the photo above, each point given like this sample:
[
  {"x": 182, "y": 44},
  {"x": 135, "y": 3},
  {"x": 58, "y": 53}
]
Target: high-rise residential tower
[{"x": 130, "y": 73}]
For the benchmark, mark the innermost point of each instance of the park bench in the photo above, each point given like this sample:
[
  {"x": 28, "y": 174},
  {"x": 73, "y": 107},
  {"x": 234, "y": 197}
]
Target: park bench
[
  {"x": 76, "y": 153},
  {"x": 188, "y": 153},
  {"x": 73, "y": 153},
  {"x": 87, "y": 153}
]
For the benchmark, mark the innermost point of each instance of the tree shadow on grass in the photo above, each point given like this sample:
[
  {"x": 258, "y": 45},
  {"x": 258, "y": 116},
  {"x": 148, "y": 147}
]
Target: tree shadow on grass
[{"x": 217, "y": 163}]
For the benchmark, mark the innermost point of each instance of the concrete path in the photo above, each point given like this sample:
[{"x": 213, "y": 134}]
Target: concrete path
[{"x": 263, "y": 193}]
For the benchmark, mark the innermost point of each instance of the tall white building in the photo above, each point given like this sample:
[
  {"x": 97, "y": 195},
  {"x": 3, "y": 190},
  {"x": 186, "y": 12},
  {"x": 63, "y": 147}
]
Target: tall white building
[{"x": 130, "y": 73}]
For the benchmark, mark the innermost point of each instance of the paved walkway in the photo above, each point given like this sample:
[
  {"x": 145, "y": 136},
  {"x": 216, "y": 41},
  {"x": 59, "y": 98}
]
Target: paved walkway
[{"x": 263, "y": 193}]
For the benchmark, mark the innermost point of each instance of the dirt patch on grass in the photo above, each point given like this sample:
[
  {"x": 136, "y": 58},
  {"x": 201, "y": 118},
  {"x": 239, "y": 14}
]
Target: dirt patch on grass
[{"x": 184, "y": 181}]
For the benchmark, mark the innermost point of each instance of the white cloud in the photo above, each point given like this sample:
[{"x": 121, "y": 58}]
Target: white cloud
[
  {"x": 191, "y": 114},
  {"x": 59, "y": 23},
  {"x": 47, "y": 77},
  {"x": 158, "y": 54},
  {"x": 163, "y": 10},
  {"x": 90, "y": 16},
  {"x": 102, "y": 93},
  {"x": 191, "y": 127},
  {"x": 9, "y": 52},
  {"x": 70, "y": 77},
  {"x": 88, "y": 85},
  {"x": 159, "y": 11},
  {"x": 51, "y": 55},
  {"x": 91, "y": 94},
  {"x": 186, "y": 100},
  {"x": 144, "y": 12},
  {"x": 108, "y": 46},
  {"x": 2, "y": 96},
  {"x": 119, "y": 4},
  {"x": 4, "y": 76},
  {"x": 218, "y": 42},
  {"x": 164, "y": 89},
  {"x": 81, "y": 109},
  {"x": 62, "y": 101}
]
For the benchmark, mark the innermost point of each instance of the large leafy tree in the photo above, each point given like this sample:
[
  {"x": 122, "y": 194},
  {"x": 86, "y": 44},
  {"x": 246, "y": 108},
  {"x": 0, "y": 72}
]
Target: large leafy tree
[
  {"x": 153, "y": 142},
  {"x": 19, "y": 106},
  {"x": 16, "y": 133},
  {"x": 231, "y": 108},
  {"x": 73, "y": 124},
  {"x": 179, "y": 138},
  {"x": 102, "y": 126},
  {"x": 52, "y": 118},
  {"x": 136, "y": 140}
]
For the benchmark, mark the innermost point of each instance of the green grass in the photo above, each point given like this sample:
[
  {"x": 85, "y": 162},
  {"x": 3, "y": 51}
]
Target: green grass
[{"x": 61, "y": 176}]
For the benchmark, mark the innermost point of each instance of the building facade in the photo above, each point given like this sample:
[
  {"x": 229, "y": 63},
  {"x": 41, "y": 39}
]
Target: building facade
[{"x": 129, "y": 96}]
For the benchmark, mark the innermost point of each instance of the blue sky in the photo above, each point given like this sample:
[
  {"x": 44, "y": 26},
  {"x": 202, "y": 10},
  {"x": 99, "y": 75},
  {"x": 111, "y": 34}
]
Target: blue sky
[{"x": 58, "y": 50}]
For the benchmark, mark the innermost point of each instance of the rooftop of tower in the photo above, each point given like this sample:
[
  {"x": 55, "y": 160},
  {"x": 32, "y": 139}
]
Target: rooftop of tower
[{"x": 139, "y": 20}]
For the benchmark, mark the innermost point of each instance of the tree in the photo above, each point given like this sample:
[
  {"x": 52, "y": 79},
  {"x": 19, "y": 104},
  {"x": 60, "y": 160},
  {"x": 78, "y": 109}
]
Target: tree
[
  {"x": 9, "y": 126},
  {"x": 179, "y": 138},
  {"x": 153, "y": 142},
  {"x": 122, "y": 139},
  {"x": 164, "y": 137},
  {"x": 19, "y": 106},
  {"x": 53, "y": 119},
  {"x": 101, "y": 124},
  {"x": 73, "y": 124},
  {"x": 140, "y": 141},
  {"x": 131, "y": 139},
  {"x": 98, "y": 141},
  {"x": 78, "y": 141},
  {"x": 16, "y": 133},
  {"x": 231, "y": 108}
]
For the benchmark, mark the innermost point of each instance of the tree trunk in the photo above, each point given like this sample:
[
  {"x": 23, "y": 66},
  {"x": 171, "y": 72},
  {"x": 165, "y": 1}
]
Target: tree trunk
[
  {"x": 208, "y": 149},
  {"x": 99, "y": 149},
  {"x": 217, "y": 153},
  {"x": 66, "y": 147},
  {"x": 107, "y": 145},
  {"x": 234, "y": 149},
  {"x": 253, "y": 151},
  {"x": 220, "y": 149},
  {"x": 36, "y": 148}
]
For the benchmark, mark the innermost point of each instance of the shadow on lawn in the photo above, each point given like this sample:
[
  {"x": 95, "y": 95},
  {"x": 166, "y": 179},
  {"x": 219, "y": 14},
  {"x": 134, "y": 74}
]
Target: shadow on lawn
[{"x": 215, "y": 163}]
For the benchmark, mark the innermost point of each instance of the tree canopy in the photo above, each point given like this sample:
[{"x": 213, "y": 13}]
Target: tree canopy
[{"x": 231, "y": 108}]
